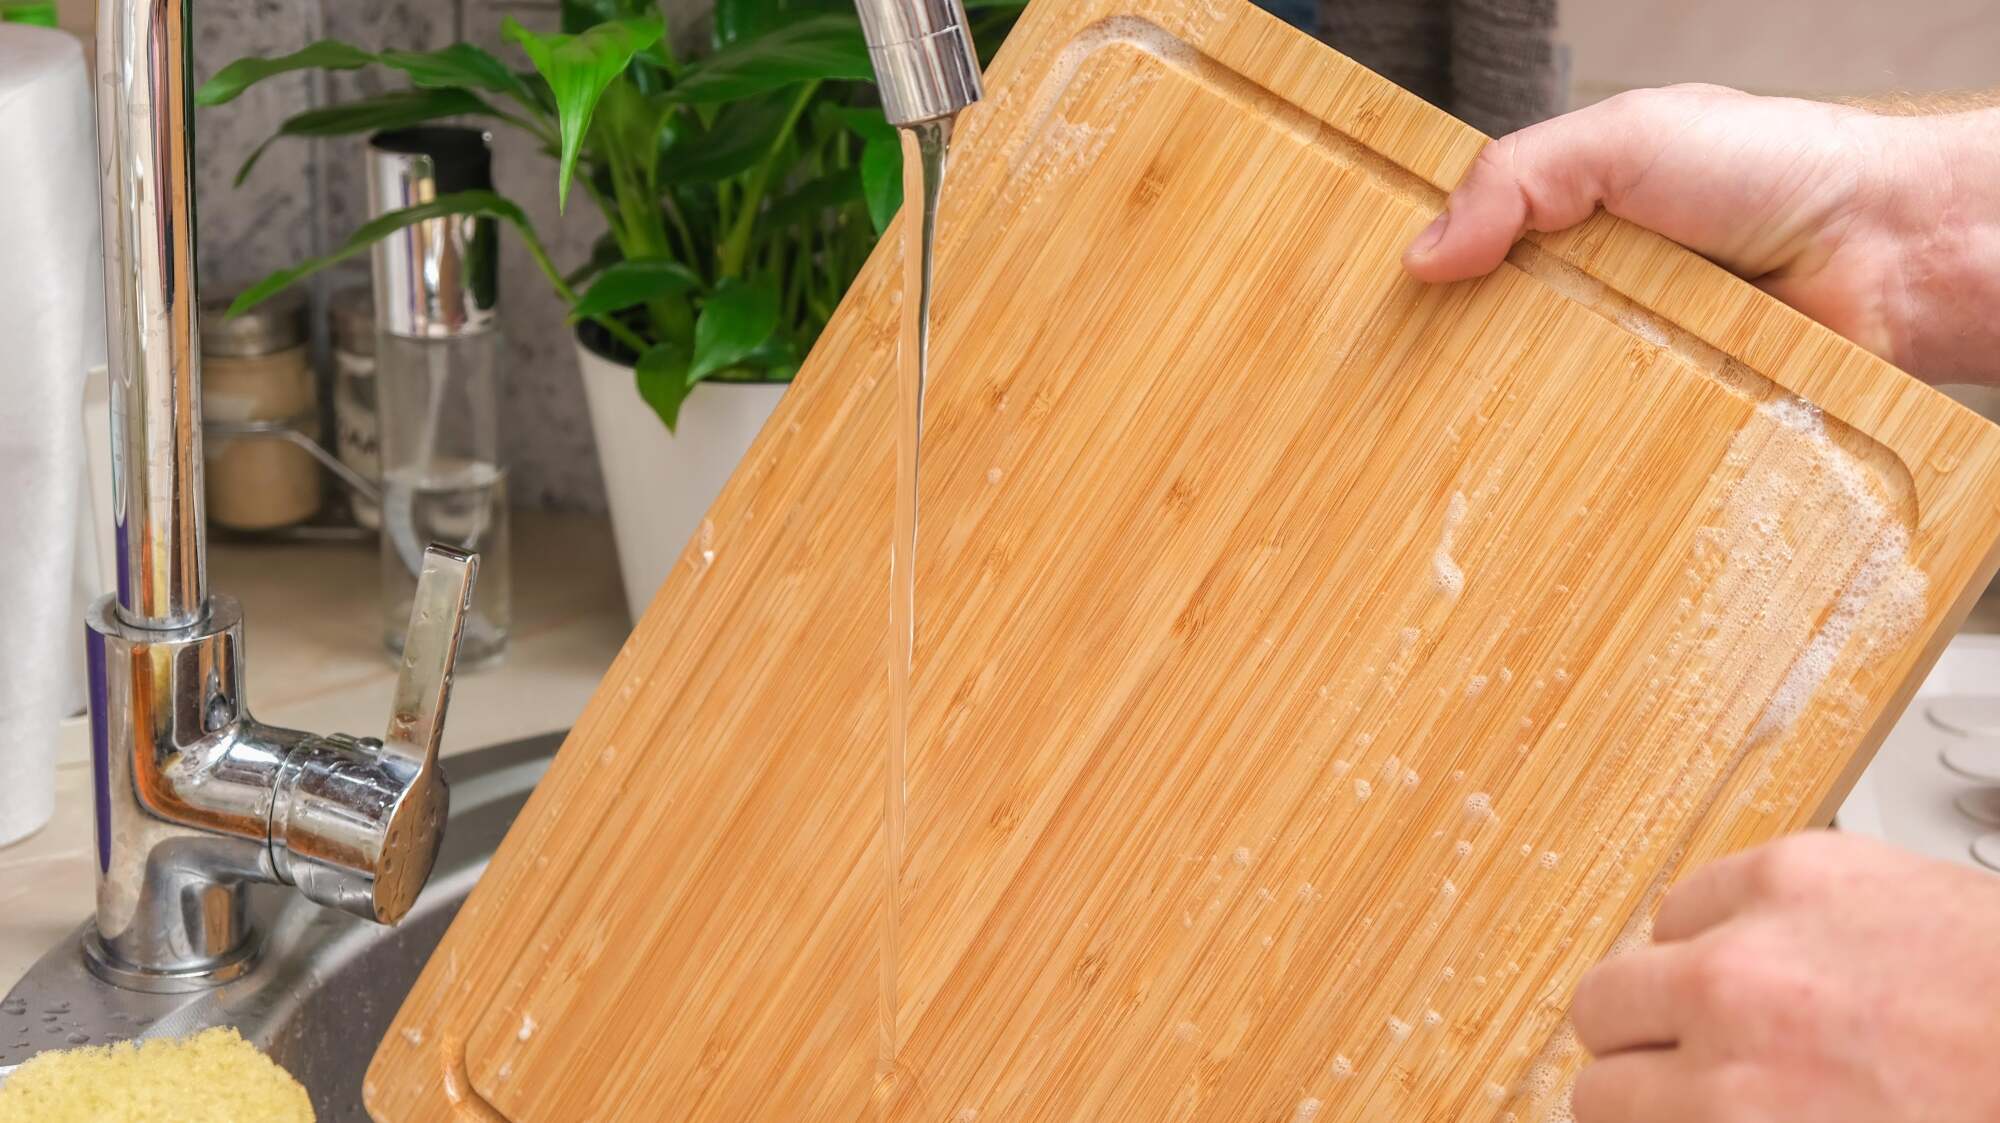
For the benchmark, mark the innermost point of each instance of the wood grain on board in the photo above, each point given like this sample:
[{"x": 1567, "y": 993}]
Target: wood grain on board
[{"x": 1316, "y": 671}]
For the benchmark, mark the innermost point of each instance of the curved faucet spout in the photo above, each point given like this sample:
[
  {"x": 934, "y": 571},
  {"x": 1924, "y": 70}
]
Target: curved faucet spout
[{"x": 924, "y": 63}]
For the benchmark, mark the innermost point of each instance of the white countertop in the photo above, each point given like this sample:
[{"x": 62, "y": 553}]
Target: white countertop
[{"x": 315, "y": 660}]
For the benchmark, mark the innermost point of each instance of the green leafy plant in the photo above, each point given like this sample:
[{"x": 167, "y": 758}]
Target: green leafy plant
[{"x": 743, "y": 187}]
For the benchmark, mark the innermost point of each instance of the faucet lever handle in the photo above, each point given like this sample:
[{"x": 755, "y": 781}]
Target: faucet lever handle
[
  {"x": 430, "y": 651},
  {"x": 355, "y": 825}
]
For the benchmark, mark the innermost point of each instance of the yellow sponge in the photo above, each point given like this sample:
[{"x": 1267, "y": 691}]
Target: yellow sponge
[{"x": 212, "y": 1077}]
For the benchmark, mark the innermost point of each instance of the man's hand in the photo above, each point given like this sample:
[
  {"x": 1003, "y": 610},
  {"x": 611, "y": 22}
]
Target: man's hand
[
  {"x": 1823, "y": 976},
  {"x": 1884, "y": 228}
]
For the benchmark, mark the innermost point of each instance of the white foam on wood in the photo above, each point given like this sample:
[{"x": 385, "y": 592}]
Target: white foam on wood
[{"x": 1446, "y": 573}]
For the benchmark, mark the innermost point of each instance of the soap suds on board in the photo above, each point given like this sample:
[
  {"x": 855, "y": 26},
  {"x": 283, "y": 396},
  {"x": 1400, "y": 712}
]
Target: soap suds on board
[
  {"x": 1445, "y": 571},
  {"x": 1801, "y": 569},
  {"x": 1053, "y": 145},
  {"x": 1885, "y": 590}
]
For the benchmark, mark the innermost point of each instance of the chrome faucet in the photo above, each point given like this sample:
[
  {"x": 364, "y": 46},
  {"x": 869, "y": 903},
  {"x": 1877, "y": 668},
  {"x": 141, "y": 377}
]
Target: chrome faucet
[
  {"x": 925, "y": 66},
  {"x": 196, "y": 799}
]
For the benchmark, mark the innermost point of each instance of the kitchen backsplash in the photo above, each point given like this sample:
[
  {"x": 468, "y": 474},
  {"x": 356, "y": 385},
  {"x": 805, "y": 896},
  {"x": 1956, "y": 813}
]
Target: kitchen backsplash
[{"x": 306, "y": 196}]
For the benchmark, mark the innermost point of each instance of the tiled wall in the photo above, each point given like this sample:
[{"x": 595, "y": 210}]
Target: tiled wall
[{"x": 306, "y": 196}]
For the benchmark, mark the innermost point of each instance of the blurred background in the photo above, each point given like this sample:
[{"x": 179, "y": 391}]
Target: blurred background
[{"x": 1537, "y": 57}]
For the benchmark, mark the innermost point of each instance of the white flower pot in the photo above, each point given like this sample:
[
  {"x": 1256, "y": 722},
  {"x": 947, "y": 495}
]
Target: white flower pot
[{"x": 661, "y": 484}]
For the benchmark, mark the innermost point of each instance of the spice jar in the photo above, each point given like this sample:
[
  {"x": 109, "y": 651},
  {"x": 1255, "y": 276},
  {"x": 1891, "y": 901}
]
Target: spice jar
[
  {"x": 357, "y": 439},
  {"x": 255, "y": 371}
]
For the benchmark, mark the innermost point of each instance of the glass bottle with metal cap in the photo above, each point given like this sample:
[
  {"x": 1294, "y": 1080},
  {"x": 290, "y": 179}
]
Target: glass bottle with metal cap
[{"x": 437, "y": 381}]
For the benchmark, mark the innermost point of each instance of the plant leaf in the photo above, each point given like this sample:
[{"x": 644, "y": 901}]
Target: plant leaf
[
  {"x": 882, "y": 179},
  {"x": 741, "y": 136},
  {"x": 232, "y": 80},
  {"x": 735, "y": 320},
  {"x": 817, "y": 47},
  {"x": 632, "y": 282},
  {"x": 813, "y": 198},
  {"x": 628, "y": 123},
  {"x": 582, "y": 15},
  {"x": 868, "y": 123},
  {"x": 736, "y": 20},
  {"x": 459, "y": 65},
  {"x": 774, "y": 360},
  {"x": 388, "y": 111},
  {"x": 663, "y": 382},
  {"x": 480, "y": 203},
  {"x": 604, "y": 253},
  {"x": 245, "y": 72},
  {"x": 577, "y": 69}
]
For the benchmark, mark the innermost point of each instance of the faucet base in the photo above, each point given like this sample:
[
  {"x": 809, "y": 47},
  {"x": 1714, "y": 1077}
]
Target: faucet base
[{"x": 107, "y": 967}]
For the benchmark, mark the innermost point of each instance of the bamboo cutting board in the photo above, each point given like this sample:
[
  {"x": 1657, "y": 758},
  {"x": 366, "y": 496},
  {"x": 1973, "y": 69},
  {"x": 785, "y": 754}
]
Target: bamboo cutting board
[{"x": 1316, "y": 671}]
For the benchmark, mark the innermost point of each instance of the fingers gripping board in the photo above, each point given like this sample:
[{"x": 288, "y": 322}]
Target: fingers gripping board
[{"x": 1316, "y": 671}]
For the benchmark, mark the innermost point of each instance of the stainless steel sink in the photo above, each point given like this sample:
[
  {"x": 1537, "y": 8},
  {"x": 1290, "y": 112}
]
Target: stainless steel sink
[{"x": 326, "y": 983}]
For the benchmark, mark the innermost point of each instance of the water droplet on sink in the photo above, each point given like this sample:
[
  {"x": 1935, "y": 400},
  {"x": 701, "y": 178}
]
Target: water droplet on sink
[{"x": 78, "y": 1039}]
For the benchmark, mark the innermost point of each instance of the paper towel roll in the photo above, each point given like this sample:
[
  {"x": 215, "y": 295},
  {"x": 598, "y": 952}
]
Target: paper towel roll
[{"x": 51, "y": 317}]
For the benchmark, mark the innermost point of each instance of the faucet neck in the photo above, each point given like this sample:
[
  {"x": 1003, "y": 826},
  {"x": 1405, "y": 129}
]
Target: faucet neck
[{"x": 145, "y": 147}]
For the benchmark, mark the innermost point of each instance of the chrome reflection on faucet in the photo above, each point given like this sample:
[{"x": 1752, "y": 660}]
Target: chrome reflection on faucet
[
  {"x": 194, "y": 797},
  {"x": 922, "y": 53}
]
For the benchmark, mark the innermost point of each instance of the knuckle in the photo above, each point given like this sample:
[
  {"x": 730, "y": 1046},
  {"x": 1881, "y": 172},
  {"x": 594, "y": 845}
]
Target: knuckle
[
  {"x": 1594, "y": 1095},
  {"x": 1784, "y": 867},
  {"x": 1705, "y": 89},
  {"x": 1716, "y": 980},
  {"x": 1500, "y": 159},
  {"x": 1586, "y": 1005},
  {"x": 1734, "y": 1093}
]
